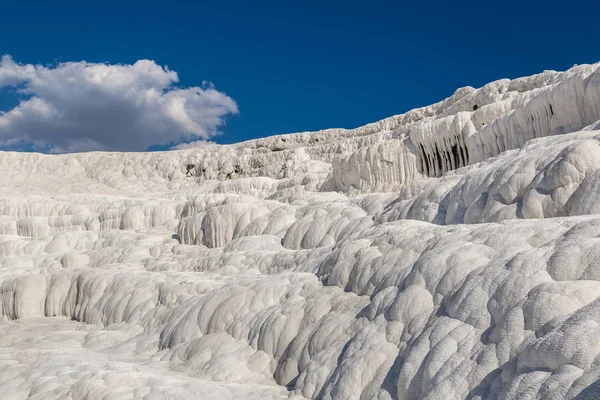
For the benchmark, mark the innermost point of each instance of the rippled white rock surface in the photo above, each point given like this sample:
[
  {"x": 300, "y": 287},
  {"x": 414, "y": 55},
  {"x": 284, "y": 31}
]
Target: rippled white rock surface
[{"x": 450, "y": 252}]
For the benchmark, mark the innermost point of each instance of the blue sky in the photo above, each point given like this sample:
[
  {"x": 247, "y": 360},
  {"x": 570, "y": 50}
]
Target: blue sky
[{"x": 305, "y": 65}]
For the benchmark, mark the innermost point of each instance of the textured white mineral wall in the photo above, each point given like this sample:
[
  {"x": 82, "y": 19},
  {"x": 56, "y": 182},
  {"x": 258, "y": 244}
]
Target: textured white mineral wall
[
  {"x": 381, "y": 167},
  {"x": 448, "y": 267},
  {"x": 504, "y": 115}
]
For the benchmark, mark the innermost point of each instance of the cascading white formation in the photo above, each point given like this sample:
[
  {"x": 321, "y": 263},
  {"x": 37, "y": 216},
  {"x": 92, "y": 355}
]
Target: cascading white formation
[{"x": 450, "y": 252}]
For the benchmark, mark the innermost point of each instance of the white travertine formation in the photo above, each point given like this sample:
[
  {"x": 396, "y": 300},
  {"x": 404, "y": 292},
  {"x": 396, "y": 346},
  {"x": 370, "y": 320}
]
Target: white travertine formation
[{"x": 447, "y": 253}]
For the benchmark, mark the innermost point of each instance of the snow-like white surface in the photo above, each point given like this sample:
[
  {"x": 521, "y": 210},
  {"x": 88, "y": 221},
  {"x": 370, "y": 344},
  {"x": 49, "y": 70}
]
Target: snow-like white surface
[{"x": 450, "y": 252}]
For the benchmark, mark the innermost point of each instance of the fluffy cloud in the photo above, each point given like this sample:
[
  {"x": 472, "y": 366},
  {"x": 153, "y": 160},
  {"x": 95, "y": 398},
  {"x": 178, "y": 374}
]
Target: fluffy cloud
[
  {"x": 80, "y": 106},
  {"x": 191, "y": 145}
]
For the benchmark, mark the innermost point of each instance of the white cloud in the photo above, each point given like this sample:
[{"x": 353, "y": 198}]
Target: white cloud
[
  {"x": 191, "y": 145},
  {"x": 80, "y": 106}
]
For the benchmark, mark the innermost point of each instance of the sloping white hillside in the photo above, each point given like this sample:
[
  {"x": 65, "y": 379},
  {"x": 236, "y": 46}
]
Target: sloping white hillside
[{"x": 450, "y": 252}]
